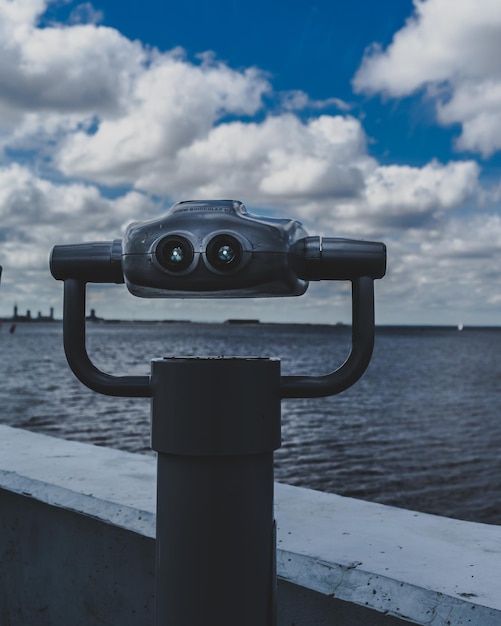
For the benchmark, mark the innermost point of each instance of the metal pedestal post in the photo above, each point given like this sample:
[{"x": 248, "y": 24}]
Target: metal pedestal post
[{"x": 215, "y": 425}]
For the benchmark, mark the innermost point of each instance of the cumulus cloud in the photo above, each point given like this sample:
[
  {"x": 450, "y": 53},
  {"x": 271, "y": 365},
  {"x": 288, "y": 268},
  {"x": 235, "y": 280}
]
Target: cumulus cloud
[
  {"x": 449, "y": 274},
  {"x": 396, "y": 198},
  {"x": 112, "y": 112},
  {"x": 36, "y": 214},
  {"x": 405, "y": 196},
  {"x": 34, "y": 207},
  {"x": 172, "y": 104},
  {"x": 60, "y": 74},
  {"x": 451, "y": 49},
  {"x": 110, "y": 123},
  {"x": 277, "y": 161}
]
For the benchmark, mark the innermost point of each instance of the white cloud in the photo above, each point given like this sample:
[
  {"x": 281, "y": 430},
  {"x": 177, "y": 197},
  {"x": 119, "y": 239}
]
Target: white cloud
[
  {"x": 401, "y": 195},
  {"x": 156, "y": 121},
  {"x": 280, "y": 160},
  {"x": 111, "y": 112},
  {"x": 172, "y": 104},
  {"x": 36, "y": 194},
  {"x": 477, "y": 107},
  {"x": 36, "y": 214},
  {"x": 20, "y": 13},
  {"x": 447, "y": 274},
  {"x": 450, "y": 48},
  {"x": 85, "y": 13},
  {"x": 298, "y": 100},
  {"x": 396, "y": 198},
  {"x": 60, "y": 72}
]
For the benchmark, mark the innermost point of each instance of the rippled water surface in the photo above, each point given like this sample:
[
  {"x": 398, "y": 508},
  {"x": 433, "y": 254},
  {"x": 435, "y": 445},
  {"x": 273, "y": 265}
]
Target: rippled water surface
[{"x": 421, "y": 429}]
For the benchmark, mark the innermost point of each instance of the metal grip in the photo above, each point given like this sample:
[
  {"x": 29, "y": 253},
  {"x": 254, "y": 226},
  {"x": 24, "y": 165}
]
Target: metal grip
[
  {"x": 362, "y": 344},
  {"x": 76, "y": 351},
  {"x": 96, "y": 262},
  {"x": 331, "y": 258}
]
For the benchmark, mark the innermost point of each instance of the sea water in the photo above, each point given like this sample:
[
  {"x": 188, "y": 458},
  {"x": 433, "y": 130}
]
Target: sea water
[{"x": 421, "y": 429}]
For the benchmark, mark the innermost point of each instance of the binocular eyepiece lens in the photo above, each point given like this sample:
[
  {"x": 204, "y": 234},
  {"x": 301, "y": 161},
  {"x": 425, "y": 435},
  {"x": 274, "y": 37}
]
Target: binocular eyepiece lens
[
  {"x": 224, "y": 252},
  {"x": 174, "y": 253}
]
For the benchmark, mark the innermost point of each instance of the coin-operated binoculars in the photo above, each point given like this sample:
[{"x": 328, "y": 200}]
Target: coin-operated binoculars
[{"x": 216, "y": 420}]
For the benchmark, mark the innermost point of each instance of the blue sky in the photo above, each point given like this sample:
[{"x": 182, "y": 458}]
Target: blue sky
[{"x": 367, "y": 120}]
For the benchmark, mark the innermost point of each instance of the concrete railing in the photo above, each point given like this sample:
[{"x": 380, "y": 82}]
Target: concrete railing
[{"x": 77, "y": 528}]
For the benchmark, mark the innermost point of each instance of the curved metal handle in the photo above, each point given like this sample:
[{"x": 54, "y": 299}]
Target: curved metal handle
[
  {"x": 76, "y": 351},
  {"x": 362, "y": 344}
]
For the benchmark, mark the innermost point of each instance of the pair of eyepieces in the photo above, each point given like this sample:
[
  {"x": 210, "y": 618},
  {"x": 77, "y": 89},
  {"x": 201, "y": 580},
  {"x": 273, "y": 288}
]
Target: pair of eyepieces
[{"x": 175, "y": 253}]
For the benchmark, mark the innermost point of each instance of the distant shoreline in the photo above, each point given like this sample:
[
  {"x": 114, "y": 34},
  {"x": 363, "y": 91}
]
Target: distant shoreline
[{"x": 246, "y": 322}]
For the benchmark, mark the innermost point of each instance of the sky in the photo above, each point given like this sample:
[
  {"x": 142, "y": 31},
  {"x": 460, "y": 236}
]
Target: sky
[{"x": 362, "y": 119}]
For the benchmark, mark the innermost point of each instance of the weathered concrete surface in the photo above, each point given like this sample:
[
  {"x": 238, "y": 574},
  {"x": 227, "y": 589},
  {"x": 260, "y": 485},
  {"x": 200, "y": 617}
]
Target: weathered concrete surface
[
  {"x": 77, "y": 534},
  {"x": 424, "y": 568},
  {"x": 59, "y": 568}
]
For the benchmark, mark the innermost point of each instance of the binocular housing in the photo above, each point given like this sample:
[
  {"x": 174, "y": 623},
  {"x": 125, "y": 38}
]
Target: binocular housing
[{"x": 215, "y": 248}]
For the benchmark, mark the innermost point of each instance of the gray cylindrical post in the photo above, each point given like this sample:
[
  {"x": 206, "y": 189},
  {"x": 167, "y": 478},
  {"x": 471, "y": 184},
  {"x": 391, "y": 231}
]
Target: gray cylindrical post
[{"x": 215, "y": 425}]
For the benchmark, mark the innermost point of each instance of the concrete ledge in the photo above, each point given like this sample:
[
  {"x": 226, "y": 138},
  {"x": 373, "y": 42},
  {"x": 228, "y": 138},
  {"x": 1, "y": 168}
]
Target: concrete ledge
[
  {"x": 423, "y": 568},
  {"x": 340, "y": 561}
]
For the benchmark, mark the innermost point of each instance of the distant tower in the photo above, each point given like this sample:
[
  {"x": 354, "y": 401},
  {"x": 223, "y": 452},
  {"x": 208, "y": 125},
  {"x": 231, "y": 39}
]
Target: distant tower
[
  {"x": 51, "y": 312},
  {"x": 15, "y": 312},
  {"x": 28, "y": 314}
]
